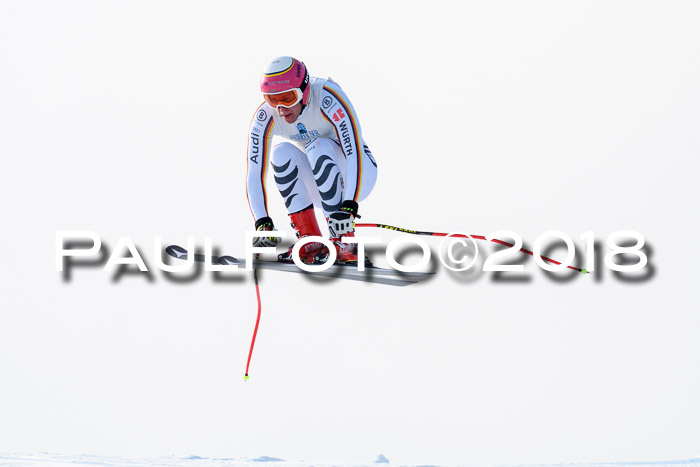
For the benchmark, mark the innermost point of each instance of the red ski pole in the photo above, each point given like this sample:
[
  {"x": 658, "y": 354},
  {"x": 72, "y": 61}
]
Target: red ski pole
[{"x": 257, "y": 321}]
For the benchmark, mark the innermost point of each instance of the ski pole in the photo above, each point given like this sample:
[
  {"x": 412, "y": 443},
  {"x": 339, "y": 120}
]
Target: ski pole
[
  {"x": 476, "y": 237},
  {"x": 257, "y": 321}
]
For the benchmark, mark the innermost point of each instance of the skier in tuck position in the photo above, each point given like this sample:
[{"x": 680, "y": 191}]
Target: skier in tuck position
[{"x": 322, "y": 161}]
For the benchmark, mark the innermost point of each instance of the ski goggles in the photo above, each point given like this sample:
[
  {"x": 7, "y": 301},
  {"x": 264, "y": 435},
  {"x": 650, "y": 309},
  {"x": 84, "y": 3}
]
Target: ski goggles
[{"x": 288, "y": 98}]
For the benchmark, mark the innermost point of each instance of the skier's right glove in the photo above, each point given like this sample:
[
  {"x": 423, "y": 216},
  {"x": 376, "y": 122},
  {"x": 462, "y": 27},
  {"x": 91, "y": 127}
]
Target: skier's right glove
[
  {"x": 264, "y": 224},
  {"x": 342, "y": 222}
]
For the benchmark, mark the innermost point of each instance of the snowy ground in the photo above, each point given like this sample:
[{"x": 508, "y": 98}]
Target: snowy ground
[{"x": 48, "y": 459}]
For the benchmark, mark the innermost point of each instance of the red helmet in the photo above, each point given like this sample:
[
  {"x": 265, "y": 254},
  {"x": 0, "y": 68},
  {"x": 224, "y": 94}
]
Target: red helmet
[{"x": 285, "y": 82}]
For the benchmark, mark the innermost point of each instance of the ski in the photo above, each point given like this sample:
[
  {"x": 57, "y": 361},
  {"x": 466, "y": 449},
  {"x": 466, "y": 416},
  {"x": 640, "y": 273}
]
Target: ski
[{"x": 370, "y": 274}]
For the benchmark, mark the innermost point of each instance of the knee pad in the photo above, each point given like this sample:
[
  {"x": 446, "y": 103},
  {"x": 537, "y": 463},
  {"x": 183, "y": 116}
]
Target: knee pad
[{"x": 283, "y": 153}]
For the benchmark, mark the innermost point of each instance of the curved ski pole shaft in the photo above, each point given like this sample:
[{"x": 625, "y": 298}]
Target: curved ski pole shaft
[
  {"x": 476, "y": 237},
  {"x": 257, "y": 321}
]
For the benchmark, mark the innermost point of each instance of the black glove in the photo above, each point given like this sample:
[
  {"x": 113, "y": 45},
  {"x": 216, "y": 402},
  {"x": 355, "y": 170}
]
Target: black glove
[
  {"x": 265, "y": 224},
  {"x": 342, "y": 222}
]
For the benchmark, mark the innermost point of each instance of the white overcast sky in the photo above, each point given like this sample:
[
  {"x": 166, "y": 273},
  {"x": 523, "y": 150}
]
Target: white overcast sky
[{"x": 130, "y": 118}]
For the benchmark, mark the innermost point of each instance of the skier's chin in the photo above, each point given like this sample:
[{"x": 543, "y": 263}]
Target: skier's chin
[{"x": 291, "y": 114}]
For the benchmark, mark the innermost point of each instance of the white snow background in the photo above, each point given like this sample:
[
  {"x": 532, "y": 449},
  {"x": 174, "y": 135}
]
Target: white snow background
[
  {"x": 48, "y": 459},
  {"x": 130, "y": 119}
]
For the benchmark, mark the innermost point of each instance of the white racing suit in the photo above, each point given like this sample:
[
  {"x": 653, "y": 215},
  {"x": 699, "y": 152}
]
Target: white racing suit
[{"x": 323, "y": 159}]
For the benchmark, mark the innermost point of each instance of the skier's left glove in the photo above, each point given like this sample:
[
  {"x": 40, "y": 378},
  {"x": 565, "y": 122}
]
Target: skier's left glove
[
  {"x": 342, "y": 222},
  {"x": 264, "y": 224}
]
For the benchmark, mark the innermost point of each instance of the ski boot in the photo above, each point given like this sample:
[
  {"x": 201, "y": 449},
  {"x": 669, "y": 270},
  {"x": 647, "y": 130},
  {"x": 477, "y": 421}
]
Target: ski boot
[
  {"x": 346, "y": 253},
  {"x": 305, "y": 224}
]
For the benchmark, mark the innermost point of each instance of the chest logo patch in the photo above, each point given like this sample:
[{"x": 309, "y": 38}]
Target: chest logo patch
[{"x": 304, "y": 134}]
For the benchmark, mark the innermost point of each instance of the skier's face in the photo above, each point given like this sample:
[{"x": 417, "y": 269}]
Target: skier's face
[{"x": 289, "y": 114}]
